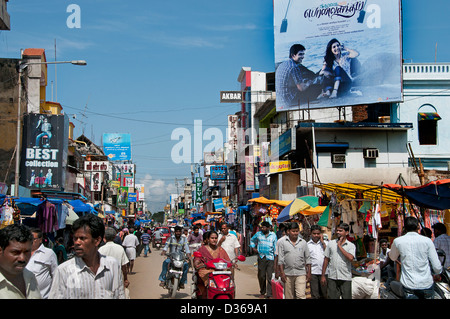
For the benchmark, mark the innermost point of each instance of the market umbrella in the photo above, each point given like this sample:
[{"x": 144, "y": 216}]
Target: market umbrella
[
  {"x": 305, "y": 205},
  {"x": 201, "y": 222}
]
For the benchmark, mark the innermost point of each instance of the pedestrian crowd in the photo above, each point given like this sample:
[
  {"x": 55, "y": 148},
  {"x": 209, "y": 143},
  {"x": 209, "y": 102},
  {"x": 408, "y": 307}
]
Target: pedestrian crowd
[
  {"x": 95, "y": 267},
  {"x": 327, "y": 264},
  {"x": 103, "y": 257}
]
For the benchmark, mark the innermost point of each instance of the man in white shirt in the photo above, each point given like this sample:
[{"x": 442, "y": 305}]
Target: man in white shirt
[
  {"x": 89, "y": 275},
  {"x": 130, "y": 242},
  {"x": 228, "y": 242},
  {"x": 442, "y": 241},
  {"x": 110, "y": 248},
  {"x": 16, "y": 282},
  {"x": 419, "y": 261},
  {"x": 316, "y": 246},
  {"x": 43, "y": 263}
]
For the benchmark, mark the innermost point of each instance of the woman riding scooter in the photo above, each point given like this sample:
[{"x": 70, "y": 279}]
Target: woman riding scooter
[{"x": 209, "y": 251}]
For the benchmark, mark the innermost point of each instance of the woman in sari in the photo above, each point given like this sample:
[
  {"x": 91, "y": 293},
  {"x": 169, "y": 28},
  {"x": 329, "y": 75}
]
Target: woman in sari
[{"x": 209, "y": 252}]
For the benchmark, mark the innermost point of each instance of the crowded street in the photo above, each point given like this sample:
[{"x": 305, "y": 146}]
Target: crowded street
[
  {"x": 144, "y": 280},
  {"x": 279, "y": 155}
]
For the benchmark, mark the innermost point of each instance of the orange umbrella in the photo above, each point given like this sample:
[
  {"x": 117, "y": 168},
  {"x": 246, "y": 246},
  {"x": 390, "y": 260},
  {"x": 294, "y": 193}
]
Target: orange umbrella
[{"x": 201, "y": 222}]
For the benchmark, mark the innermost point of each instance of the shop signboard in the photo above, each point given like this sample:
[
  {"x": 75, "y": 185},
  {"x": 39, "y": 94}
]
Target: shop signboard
[
  {"x": 279, "y": 166},
  {"x": 368, "y": 47},
  {"x": 231, "y": 97},
  {"x": 140, "y": 189},
  {"x": 96, "y": 166},
  {"x": 284, "y": 144},
  {"x": 132, "y": 197},
  {"x": 218, "y": 172},
  {"x": 44, "y": 151},
  {"x": 122, "y": 197},
  {"x": 249, "y": 174},
  {"x": 117, "y": 146},
  {"x": 218, "y": 204},
  {"x": 198, "y": 190}
]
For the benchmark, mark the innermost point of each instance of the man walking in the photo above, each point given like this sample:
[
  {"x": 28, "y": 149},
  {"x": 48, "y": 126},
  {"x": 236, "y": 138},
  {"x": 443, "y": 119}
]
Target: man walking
[
  {"x": 442, "y": 241},
  {"x": 419, "y": 261},
  {"x": 338, "y": 255},
  {"x": 43, "y": 263},
  {"x": 264, "y": 243},
  {"x": 316, "y": 246},
  {"x": 89, "y": 275},
  {"x": 145, "y": 242},
  {"x": 16, "y": 282},
  {"x": 228, "y": 241},
  {"x": 295, "y": 263},
  {"x": 130, "y": 242}
]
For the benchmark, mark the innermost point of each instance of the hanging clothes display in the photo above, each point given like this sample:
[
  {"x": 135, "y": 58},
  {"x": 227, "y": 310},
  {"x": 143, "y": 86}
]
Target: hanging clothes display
[{"x": 47, "y": 217}]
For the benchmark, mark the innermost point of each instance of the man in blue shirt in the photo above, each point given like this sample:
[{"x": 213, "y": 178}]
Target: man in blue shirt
[
  {"x": 265, "y": 241},
  {"x": 174, "y": 244},
  {"x": 419, "y": 261}
]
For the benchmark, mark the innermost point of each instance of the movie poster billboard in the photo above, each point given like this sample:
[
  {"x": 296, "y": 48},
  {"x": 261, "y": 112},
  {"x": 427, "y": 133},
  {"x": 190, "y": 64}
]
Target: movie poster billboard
[
  {"x": 343, "y": 53},
  {"x": 122, "y": 197},
  {"x": 44, "y": 151},
  {"x": 117, "y": 146}
]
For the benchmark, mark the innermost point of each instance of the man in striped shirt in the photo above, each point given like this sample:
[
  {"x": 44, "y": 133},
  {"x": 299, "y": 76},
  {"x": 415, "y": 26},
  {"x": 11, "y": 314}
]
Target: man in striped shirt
[
  {"x": 89, "y": 275},
  {"x": 265, "y": 241}
]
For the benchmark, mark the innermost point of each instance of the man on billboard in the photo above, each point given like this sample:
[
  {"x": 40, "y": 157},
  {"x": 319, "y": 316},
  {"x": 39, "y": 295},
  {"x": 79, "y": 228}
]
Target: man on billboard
[
  {"x": 295, "y": 83},
  {"x": 46, "y": 127}
]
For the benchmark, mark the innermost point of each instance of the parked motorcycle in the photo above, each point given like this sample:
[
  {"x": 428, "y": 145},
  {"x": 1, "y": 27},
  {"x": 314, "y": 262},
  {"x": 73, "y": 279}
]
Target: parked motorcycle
[
  {"x": 220, "y": 282},
  {"x": 174, "y": 272},
  {"x": 441, "y": 288}
]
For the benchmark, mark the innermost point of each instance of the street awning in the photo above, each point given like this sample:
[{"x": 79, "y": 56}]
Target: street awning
[
  {"x": 434, "y": 195},
  {"x": 369, "y": 192}
]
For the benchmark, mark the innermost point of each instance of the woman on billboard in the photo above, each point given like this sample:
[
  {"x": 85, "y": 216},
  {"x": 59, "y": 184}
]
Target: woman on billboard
[{"x": 339, "y": 69}]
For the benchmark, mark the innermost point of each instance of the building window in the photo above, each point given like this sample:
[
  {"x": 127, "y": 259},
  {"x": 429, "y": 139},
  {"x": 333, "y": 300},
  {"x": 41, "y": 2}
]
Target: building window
[{"x": 428, "y": 124}]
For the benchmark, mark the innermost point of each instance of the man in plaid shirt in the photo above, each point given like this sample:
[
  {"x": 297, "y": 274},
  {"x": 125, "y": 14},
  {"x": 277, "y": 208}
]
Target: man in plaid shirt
[
  {"x": 265, "y": 241},
  {"x": 293, "y": 81}
]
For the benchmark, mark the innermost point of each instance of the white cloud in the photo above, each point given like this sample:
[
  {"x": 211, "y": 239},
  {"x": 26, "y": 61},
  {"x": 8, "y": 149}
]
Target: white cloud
[{"x": 157, "y": 192}]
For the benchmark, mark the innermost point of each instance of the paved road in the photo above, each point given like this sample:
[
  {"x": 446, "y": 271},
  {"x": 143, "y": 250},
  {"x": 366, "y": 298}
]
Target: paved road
[{"x": 144, "y": 282}]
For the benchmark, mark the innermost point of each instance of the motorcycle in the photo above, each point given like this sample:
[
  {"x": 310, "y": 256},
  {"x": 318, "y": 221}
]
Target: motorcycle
[
  {"x": 174, "y": 273},
  {"x": 158, "y": 243},
  {"x": 220, "y": 282},
  {"x": 441, "y": 287}
]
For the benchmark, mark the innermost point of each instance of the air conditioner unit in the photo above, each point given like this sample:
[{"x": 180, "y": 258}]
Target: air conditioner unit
[
  {"x": 338, "y": 159},
  {"x": 370, "y": 152},
  {"x": 216, "y": 193}
]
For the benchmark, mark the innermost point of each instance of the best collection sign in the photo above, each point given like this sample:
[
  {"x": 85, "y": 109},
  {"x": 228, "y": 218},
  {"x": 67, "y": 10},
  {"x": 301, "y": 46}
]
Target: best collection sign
[{"x": 44, "y": 153}]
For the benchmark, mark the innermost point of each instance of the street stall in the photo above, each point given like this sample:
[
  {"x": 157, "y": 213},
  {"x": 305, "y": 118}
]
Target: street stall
[
  {"x": 376, "y": 212},
  {"x": 263, "y": 209}
]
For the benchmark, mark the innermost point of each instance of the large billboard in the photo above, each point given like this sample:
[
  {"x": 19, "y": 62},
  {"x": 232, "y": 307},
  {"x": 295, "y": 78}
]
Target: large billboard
[
  {"x": 44, "y": 152},
  {"x": 117, "y": 146},
  {"x": 337, "y": 53}
]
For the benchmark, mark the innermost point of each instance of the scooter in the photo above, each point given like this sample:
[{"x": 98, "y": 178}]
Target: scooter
[
  {"x": 441, "y": 288},
  {"x": 220, "y": 282},
  {"x": 174, "y": 273}
]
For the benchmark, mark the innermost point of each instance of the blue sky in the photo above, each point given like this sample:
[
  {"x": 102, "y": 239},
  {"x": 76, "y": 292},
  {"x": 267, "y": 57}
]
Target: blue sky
[{"x": 154, "y": 66}]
